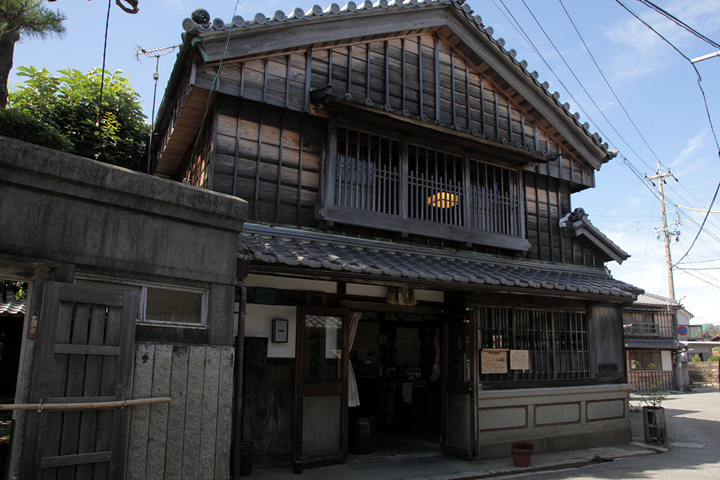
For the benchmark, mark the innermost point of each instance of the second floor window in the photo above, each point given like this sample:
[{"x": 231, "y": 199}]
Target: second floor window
[{"x": 376, "y": 174}]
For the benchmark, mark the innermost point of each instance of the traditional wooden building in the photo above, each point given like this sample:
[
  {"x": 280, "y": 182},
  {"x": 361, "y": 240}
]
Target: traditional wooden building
[
  {"x": 651, "y": 343},
  {"x": 412, "y": 256}
]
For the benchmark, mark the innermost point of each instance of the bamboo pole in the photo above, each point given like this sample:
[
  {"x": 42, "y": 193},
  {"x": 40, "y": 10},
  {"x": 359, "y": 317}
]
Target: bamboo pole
[{"x": 84, "y": 406}]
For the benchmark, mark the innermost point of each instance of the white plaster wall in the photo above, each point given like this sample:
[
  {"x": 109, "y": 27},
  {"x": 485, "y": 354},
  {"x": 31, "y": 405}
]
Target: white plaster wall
[
  {"x": 365, "y": 290},
  {"x": 258, "y": 323},
  {"x": 666, "y": 356},
  {"x": 289, "y": 283}
]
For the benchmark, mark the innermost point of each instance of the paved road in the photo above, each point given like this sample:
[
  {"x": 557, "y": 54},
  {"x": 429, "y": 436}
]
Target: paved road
[{"x": 694, "y": 445}]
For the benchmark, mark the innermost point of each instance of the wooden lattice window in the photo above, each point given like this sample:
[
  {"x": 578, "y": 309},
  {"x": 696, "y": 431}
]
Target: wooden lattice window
[
  {"x": 367, "y": 172},
  {"x": 556, "y": 341},
  {"x": 645, "y": 359},
  {"x": 418, "y": 184}
]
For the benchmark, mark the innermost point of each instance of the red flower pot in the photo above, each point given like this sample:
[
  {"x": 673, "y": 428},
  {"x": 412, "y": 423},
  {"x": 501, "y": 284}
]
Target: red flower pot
[{"x": 521, "y": 456}]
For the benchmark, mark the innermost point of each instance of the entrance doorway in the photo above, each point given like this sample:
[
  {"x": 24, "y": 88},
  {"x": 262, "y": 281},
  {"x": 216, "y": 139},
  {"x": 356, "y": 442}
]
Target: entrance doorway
[
  {"x": 395, "y": 358},
  {"x": 12, "y": 315}
]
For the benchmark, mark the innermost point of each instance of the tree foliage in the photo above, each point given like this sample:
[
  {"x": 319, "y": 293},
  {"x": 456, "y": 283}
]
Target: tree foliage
[
  {"x": 115, "y": 132},
  {"x": 10, "y": 289},
  {"x": 23, "y": 18}
]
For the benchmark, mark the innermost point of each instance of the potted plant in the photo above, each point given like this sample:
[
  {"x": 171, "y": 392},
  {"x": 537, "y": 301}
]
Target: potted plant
[
  {"x": 521, "y": 452},
  {"x": 654, "y": 416}
]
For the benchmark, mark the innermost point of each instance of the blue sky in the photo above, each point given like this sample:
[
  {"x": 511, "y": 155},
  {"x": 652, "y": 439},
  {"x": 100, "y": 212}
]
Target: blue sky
[{"x": 655, "y": 85}]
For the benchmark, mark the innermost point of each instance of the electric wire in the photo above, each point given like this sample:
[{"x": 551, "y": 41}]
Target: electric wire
[
  {"x": 707, "y": 110},
  {"x": 680, "y": 23},
  {"x": 522, "y": 32},
  {"x": 620, "y": 103},
  {"x": 602, "y": 74},
  {"x": 689, "y": 272},
  {"x": 102, "y": 72}
]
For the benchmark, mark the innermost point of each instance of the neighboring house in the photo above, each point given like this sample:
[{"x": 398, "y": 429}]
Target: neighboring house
[
  {"x": 411, "y": 243},
  {"x": 700, "y": 341},
  {"x": 651, "y": 344},
  {"x": 11, "y": 322}
]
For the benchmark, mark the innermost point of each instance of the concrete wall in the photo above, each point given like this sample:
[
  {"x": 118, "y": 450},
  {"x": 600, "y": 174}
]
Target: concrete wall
[
  {"x": 63, "y": 215},
  {"x": 554, "y": 419}
]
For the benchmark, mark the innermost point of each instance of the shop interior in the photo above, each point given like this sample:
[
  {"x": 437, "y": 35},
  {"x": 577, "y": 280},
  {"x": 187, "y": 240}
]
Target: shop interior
[{"x": 396, "y": 361}]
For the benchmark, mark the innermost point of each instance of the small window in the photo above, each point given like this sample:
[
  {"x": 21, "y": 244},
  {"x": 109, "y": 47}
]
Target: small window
[{"x": 161, "y": 304}]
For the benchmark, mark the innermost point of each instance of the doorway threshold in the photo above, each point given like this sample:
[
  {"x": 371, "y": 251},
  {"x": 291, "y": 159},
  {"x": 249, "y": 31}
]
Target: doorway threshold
[{"x": 398, "y": 446}]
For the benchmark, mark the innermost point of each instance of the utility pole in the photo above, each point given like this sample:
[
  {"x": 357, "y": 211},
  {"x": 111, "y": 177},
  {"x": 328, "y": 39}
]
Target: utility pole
[{"x": 661, "y": 176}]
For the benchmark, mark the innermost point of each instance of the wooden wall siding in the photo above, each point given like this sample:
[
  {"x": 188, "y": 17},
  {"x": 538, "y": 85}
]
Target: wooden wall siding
[
  {"x": 181, "y": 101},
  {"x": 196, "y": 168},
  {"x": 269, "y": 157},
  {"x": 419, "y": 76},
  {"x": 547, "y": 200},
  {"x": 190, "y": 437}
]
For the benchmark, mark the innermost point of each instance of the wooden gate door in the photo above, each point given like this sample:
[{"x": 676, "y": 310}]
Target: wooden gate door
[
  {"x": 460, "y": 386},
  {"x": 83, "y": 353},
  {"x": 320, "y": 429}
]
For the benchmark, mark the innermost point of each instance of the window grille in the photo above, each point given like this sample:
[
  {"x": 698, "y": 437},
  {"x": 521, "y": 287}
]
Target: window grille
[
  {"x": 367, "y": 172},
  {"x": 645, "y": 359},
  {"x": 441, "y": 187},
  {"x": 160, "y": 304},
  {"x": 557, "y": 342},
  {"x": 658, "y": 324}
]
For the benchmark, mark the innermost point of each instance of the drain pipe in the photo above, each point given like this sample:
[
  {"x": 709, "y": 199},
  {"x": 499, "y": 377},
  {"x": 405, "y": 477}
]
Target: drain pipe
[{"x": 239, "y": 377}]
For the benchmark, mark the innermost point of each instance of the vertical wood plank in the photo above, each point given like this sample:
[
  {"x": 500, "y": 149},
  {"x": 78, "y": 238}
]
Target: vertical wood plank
[
  {"x": 224, "y": 413},
  {"x": 387, "y": 74},
  {"x": 404, "y": 76},
  {"x": 300, "y": 171},
  {"x": 467, "y": 98},
  {"x": 176, "y": 412},
  {"x": 208, "y": 431},
  {"x": 421, "y": 95},
  {"x": 51, "y": 422},
  {"x": 193, "y": 413},
  {"x": 74, "y": 388},
  {"x": 93, "y": 378},
  {"x": 258, "y": 160},
  {"x": 482, "y": 106},
  {"x": 349, "y": 69},
  {"x": 157, "y": 440},
  {"x": 452, "y": 87},
  {"x": 237, "y": 147},
  {"x": 308, "y": 77},
  {"x": 108, "y": 387},
  {"x": 140, "y": 414},
  {"x": 280, "y": 166},
  {"x": 436, "y": 55}
]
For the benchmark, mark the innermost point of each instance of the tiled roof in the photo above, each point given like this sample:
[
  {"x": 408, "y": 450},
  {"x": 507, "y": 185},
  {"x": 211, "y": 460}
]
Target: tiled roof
[
  {"x": 650, "y": 299},
  {"x": 320, "y": 251},
  {"x": 577, "y": 224},
  {"x": 653, "y": 343},
  {"x": 351, "y": 8},
  {"x": 13, "y": 307}
]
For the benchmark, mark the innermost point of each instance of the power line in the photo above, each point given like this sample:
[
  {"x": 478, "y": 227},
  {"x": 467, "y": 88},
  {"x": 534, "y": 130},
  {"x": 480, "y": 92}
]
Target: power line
[
  {"x": 607, "y": 82},
  {"x": 707, "y": 110},
  {"x": 679, "y": 22}
]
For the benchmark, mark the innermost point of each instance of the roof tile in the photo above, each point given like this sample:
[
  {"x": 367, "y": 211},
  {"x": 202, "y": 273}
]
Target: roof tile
[{"x": 314, "y": 250}]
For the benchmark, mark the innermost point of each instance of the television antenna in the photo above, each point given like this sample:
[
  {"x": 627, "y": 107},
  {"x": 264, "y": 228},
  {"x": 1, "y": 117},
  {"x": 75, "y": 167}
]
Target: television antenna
[{"x": 156, "y": 53}]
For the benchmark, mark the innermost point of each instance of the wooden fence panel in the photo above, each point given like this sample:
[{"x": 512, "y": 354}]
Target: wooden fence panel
[
  {"x": 643, "y": 380},
  {"x": 190, "y": 437}
]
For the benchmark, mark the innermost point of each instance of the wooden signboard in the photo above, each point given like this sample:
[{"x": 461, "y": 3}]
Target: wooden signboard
[
  {"x": 519, "y": 360},
  {"x": 493, "y": 361}
]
